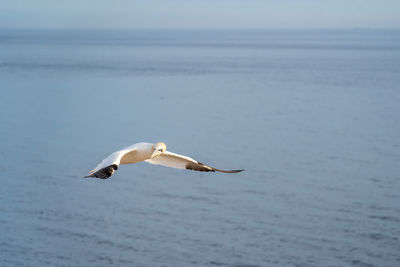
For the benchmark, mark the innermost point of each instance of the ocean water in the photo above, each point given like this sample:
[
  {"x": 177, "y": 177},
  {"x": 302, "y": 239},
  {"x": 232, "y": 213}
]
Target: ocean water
[{"x": 313, "y": 116}]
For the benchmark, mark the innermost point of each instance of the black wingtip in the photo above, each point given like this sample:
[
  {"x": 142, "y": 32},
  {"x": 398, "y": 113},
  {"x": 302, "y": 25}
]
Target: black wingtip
[
  {"x": 229, "y": 171},
  {"x": 103, "y": 173}
]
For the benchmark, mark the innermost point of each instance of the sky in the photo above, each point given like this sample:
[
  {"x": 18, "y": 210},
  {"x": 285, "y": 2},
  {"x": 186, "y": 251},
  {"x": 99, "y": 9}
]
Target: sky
[{"x": 200, "y": 14}]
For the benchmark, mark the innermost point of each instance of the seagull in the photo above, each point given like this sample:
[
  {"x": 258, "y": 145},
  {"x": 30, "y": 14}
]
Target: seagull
[{"x": 152, "y": 153}]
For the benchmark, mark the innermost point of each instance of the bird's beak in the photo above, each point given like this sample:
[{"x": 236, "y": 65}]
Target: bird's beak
[{"x": 155, "y": 154}]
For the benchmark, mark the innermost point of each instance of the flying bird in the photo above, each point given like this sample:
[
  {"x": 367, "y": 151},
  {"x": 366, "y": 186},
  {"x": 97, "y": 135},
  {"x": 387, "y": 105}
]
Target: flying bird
[{"x": 152, "y": 153}]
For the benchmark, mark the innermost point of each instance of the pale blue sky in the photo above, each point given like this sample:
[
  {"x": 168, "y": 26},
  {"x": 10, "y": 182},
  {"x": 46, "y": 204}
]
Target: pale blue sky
[{"x": 200, "y": 14}]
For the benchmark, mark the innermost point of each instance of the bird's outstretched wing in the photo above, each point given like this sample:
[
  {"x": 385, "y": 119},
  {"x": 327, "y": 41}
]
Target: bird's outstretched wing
[
  {"x": 124, "y": 156},
  {"x": 173, "y": 160},
  {"x": 112, "y": 159}
]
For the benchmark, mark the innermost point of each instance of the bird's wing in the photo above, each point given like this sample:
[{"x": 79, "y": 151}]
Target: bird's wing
[
  {"x": 173, "y": 160},
  {"x": 115, "y": 158}
]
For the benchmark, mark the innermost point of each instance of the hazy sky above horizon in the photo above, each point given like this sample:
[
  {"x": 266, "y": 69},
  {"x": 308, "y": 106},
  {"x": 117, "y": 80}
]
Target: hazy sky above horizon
[{"x": 200, "y": 14}]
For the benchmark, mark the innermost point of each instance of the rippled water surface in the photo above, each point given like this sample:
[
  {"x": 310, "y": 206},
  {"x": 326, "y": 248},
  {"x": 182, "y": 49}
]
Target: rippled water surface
[{"x": 313, "y": 117}]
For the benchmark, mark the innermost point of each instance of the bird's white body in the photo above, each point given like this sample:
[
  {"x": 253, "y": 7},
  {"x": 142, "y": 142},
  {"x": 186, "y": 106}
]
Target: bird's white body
[{"x": 151, "y": 153}]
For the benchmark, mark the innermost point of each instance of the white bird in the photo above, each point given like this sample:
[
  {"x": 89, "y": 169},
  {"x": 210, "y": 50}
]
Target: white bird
[{"x": 152, "y": 153}]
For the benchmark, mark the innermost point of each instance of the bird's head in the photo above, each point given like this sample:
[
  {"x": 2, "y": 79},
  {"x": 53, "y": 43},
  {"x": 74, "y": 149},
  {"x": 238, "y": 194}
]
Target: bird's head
[{"x": 158, "y": 148}]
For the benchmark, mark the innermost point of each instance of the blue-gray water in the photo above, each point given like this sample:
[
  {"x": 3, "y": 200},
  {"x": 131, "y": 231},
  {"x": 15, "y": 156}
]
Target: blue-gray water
[{"x": 313, "y": 117}]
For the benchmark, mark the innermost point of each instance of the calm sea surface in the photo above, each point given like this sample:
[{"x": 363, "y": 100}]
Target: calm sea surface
[{"x": 313, "y": 117}]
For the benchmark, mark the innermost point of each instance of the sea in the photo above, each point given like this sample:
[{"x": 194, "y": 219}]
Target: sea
[{"x": 313, "y": 116}]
